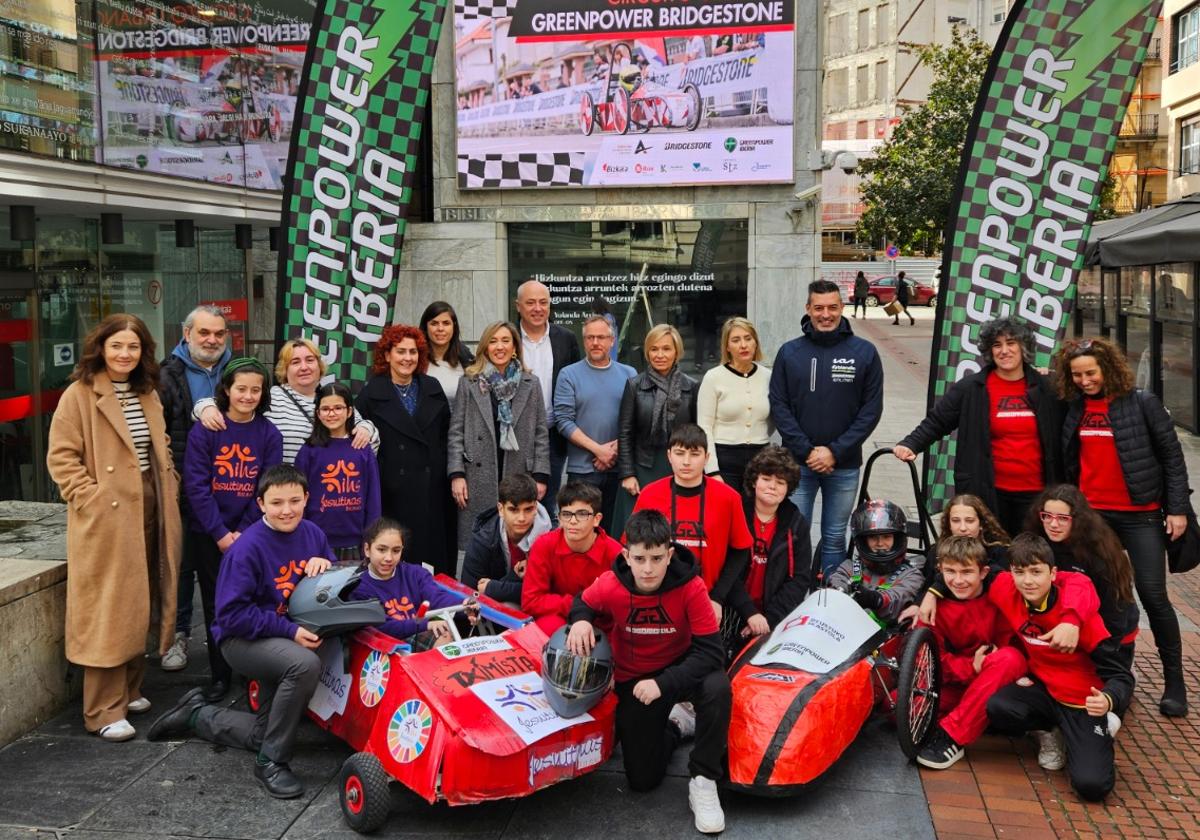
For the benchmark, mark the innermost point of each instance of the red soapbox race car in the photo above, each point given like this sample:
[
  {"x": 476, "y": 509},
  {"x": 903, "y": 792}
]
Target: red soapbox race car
[{"x": 466, "y": 722}]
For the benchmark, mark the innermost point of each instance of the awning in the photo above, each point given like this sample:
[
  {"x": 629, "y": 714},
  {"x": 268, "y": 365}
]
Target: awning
[{"x": 1170, "y": 233}]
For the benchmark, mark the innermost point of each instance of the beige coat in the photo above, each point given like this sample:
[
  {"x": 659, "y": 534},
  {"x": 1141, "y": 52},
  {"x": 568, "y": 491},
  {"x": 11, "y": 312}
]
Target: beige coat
[{"x": 92, "y": 459}]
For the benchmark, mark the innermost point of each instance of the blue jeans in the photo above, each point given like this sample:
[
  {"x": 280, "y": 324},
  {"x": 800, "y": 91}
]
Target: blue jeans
[{"x": 838, "y": 491}]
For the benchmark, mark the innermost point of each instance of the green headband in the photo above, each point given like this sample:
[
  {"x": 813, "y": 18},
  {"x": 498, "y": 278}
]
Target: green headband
[{"x": 244, "y": 363}]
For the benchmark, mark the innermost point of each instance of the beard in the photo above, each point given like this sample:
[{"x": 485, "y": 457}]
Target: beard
[{"x": 205, "y": 357}]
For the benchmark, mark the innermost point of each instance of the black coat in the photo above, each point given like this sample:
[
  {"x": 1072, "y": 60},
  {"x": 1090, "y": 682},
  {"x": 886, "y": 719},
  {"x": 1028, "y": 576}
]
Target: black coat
[
  {"x": 412, "y": 466},
  {"x": 967, "y": 408},
  {"x": 791, "y": 573},
  {"x": 634, "y": 448},
  {"x": 177, "y": 403},
  {"x": 902, "y": 291},
  {"x": 1147, "y": 447}
]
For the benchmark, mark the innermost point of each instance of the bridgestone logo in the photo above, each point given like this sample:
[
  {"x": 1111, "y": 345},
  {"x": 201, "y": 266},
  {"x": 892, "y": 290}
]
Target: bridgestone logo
[{"x": 687, "y": 146}]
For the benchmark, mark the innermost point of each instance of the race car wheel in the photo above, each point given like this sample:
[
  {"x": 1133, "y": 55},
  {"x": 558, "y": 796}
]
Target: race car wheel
[
  {"x": 917, "y": 691},
  {"x": 872, "y": 300},
  {"x": 253, "y": 695},
  {"x": 697, "y": 105},
  {"x": 587, "y": 115},
  {"x": 274, "y": 124},
  {"x": 620, "y": 111},
  {"x": 363, "y": 787}
]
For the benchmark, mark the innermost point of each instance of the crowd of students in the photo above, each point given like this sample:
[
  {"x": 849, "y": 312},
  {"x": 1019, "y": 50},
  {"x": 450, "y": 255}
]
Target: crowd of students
[{"x": 443, "y": 450}]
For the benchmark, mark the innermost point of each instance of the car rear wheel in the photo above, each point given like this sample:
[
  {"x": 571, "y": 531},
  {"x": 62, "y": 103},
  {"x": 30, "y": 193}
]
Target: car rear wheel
[
  {"x": 620, "y": 111},
  {"x": 917, "y": 691},
  {"x": 363, "y": 791},
  {"x": 587, "y": 115},
  {"x": 697, "y": 106},
  {"x": 872, "y": 300}
]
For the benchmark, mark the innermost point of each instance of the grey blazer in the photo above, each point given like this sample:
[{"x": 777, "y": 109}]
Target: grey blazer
[{"x": 472, "y": 444}]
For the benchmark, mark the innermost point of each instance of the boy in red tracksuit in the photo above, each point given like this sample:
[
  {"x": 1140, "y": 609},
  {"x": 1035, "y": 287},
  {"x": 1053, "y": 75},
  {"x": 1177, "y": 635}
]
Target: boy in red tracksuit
[
  {"x": 667, "y": 649},
  {"x": 973, "y": 646},
  {"x": 565, "y": 561},
  {"x": 1077, "y": 691}
]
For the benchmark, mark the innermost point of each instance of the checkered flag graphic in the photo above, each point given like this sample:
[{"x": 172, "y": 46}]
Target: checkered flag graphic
[
  {"x": 484, "y": 8},
  {"x": 533, "y": 169}
]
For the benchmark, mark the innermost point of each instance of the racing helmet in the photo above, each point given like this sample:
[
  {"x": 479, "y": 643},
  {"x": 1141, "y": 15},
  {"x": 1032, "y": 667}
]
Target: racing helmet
[
  {"x": 875, "y": 517},
  {"x": 574, "y": 684},
  {"x": 322, "y": 604}
]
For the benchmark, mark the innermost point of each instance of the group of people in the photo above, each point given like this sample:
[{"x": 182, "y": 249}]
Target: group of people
[{"x": 672, "y": 493}]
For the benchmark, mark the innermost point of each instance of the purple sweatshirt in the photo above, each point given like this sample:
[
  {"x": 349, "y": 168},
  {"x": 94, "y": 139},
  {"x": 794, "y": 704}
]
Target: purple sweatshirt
[
  {"x": 401, "y": 596},
  {"x": 221, "y": 470},
  {"x": 343, "y": 489},
  {"x": 257, "y": 576}
]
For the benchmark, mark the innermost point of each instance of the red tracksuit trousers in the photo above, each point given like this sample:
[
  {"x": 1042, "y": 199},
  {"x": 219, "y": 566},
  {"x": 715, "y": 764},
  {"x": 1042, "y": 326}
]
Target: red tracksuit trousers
[{"x": 964, "y": 705}]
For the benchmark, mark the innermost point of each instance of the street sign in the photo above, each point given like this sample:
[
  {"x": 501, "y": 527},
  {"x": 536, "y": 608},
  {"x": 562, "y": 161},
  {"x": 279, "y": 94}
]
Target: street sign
[{"x": 892, "y": 252}]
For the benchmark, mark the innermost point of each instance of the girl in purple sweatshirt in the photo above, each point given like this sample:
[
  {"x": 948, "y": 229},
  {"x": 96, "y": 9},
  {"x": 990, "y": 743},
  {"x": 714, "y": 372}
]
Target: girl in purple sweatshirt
[
  {"x": 220, "y": 479},
  {"x": 343, "y": 482},
  {"x": 401, "y": 587}
]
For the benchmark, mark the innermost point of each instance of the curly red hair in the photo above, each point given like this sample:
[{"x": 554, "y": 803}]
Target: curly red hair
[{"x": 392, "y": 336}]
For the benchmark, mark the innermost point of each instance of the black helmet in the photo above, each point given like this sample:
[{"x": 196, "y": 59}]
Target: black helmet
[
  {"x": 875, "y": 517},
  {"x": 322, "y": 605},
  {"x": 574, "y": 684}
]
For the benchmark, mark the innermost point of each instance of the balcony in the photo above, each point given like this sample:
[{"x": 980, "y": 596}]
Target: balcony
[
  {"x": 1140, "y": 127},
  {"x": 1154, "y": 51}
]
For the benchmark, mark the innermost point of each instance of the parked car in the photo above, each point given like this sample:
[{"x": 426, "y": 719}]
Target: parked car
[{"x": 883, "y": 291}]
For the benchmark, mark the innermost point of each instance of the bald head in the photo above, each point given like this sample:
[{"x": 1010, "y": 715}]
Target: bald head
[{"x": 533, "y": 306}]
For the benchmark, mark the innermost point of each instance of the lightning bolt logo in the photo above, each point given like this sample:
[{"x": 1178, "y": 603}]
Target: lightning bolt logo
[
  {"x": 393, "y": 23},
  {"x": 1096, "y": 39}
]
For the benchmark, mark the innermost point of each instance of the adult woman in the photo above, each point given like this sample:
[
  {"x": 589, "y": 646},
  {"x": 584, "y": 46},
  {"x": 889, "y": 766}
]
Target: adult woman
[
  {"x": 497, "y": 428},
  {"x": 298, "y": 370},
  {"x": 413, "y": 417},
  {"x": 862, "y": 290},
  {"x": 902, "y": 292},
  {"x": 110, "y": 457},
  {"x": 655, "y": 402},
  {"x": 1121, "y": 449},
  {"x": 1008, "y": 421},
  {"x": 733, "y": 407},
  {"x": 448, "y": 356}
]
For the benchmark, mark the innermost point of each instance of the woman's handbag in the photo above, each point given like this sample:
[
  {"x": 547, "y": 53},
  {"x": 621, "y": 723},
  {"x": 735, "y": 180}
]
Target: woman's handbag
[{"x": 1183, "y": 554}]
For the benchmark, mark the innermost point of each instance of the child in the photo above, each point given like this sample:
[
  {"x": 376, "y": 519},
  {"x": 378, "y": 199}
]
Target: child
[
  {"x": 1075, "y": 691},
  {"x": 343, "y": 481},
  {"x": 781, "y": 569},
  {"x": 565, "y": 561},
  {"x": 878, "y": 576},
  {"x": 400, "y": 587},
  {"x": 220, "y": 471},
  {"x": 705, "y": 514},
  {"x": 501, "y": 540},
  {"x": 973, "y": 646},
  {"x": 666, "y": 649},
  {"x": 258, "y": 639}
]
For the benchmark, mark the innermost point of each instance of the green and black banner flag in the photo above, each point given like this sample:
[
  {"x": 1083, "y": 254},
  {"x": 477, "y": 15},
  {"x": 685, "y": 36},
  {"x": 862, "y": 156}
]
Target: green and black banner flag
[
  {"x": 1037, "y": 153},
  {"x": 350, "y": 173}
]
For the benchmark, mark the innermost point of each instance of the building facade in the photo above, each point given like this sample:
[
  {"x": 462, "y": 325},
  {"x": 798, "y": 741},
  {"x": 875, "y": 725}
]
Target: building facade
[{"x": 1181, "y": 96}]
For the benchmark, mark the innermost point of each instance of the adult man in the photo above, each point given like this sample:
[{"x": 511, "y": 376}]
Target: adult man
[
  {"x": 190, "y": 373},
  {"x": 587, "y": 408},
  {"x": 546, "y": 348},
  {"x": 826, "y": 397}
]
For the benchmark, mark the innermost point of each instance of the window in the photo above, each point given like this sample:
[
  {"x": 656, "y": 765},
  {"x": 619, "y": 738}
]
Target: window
[
  {"x": 864, "y": 29},
  {"x": 862, "y": 83},
  {"x": 881, "y": 24},
  {"x": 838, "y": 34},
  {"x": 881, "y": 80},
  {"x": 1189, "y": 148},
  {"x": 1186, "y": 43},
  {"x": 836, "y": 84}
]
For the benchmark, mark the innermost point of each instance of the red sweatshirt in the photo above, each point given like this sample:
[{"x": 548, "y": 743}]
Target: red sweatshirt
[
  {"x": 554, "y": 574},
  {"x": 1067, "y": 676},
  {"x": 961, "y": 628}
]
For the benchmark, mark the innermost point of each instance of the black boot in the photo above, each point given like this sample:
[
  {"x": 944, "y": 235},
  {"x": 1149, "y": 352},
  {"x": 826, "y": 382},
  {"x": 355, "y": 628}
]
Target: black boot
[
  {"x": 278, "y": 779},
  {"x": 1174, "y": 698}
]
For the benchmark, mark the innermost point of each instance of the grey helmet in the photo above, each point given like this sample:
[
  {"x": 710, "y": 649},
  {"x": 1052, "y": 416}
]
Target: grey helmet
[
  {"x": 875, "y": 517},
  {"x": 575, "y": 684},
  {"x": 323, "y": 606}
]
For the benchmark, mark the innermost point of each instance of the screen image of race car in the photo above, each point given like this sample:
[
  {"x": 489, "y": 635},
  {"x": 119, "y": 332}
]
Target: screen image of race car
[{"x": 558, "y": 94}]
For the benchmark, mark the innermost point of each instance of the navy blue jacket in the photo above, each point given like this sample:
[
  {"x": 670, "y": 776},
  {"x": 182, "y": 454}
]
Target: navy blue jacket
[{"x": 827, "y": 390}]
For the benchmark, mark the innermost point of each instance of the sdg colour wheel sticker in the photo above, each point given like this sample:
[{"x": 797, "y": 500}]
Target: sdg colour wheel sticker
[
  {"x": 373, "y": 679},
  {"x": 408, "y": 733}
]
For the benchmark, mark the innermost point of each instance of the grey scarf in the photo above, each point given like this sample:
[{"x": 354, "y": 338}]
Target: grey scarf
[{"x": 667, "y": 396}]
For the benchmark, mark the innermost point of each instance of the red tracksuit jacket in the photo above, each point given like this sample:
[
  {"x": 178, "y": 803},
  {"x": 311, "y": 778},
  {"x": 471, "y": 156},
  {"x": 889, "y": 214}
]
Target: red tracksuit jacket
[{"x": 962, "y": 626}]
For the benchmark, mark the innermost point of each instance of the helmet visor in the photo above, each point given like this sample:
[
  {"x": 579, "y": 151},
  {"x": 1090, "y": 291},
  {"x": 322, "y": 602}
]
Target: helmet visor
[{"x": 575, "y": 675}]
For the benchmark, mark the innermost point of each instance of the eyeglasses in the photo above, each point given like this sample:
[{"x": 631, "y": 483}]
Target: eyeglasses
[
  {"x": 1061, "y": 518},
  {"x": 575, "y": 515},
  {"x": 333, "y": 409}
]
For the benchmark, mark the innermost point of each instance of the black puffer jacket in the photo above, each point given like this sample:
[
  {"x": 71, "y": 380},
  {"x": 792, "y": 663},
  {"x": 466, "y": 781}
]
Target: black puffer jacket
[
  {"x": 177, "y": 404},
  {"x": 967, "y": 408},
  {"x": 1147, "y": 447},
  {"x": 637, "y": 413},
  {"x": 791, "y": 570}
]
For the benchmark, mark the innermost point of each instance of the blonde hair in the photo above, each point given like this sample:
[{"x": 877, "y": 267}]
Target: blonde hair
[
  {"x": 288, "y": 350},
  {"x": 738, "y": 322},
  {"x": 657, "y": 334},
  {"x": 481, "y": 355}
]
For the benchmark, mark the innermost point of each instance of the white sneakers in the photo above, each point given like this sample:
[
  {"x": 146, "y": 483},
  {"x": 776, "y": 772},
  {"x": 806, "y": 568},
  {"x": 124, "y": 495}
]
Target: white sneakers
[
  {"x": 705, "y": 805},
  {"x": 1051, "y": 751},
  {"x": 138, "y": 706},
  {"x": 117, "y": 731},
  {"x": 683, "y": 717},
  {"x": 176, "y": 658}
]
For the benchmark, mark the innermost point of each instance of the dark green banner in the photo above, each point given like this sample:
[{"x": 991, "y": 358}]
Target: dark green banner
[
  {"x": 1037, "y": 153},
  {"x": 350, "y": 172}
]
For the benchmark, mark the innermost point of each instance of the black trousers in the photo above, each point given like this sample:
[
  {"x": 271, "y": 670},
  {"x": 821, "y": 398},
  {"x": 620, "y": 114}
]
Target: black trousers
[
  {"x": 860, "y": 303},
  {"x": 207, "y": 558},
  {"x": 1015, "y": 710},
  {"x": 1141, "y": 532},
  {"x": 733, "y": 459},
  {"x": 647, "y": 738},
  {"x": 1011, "y": 509}
]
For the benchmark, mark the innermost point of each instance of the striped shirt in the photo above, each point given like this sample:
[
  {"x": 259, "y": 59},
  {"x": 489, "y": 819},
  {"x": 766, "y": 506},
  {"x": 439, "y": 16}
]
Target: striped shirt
[
  {"x": 135, "y": 419},
  {"x": 292, "y": 414}
]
